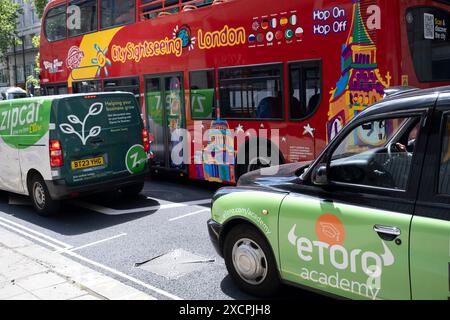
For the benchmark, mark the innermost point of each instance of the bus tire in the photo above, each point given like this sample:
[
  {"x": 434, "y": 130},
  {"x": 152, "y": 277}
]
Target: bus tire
[
  {"x": 250, "y": 261},
  {"x": 132, "y": 190},
  {"x": 41, "y": 199}
]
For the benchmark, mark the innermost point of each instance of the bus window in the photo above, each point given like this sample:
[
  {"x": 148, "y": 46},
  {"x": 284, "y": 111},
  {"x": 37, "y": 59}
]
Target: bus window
[
  {"x": 429, "y": 42},
  {"x": 55, "y": 27},
  {"x": 88, "y": 23},
  {"x": 203, "y": 94},
  {"x": 305, "y": 83},
  {"x": 86, "y": 86},
  {"x": 62, "y": 90},
  {"x": 251, "y": 92},
  {"x": 55, "y": 89},
  {"x": 124, "y": 84},
  {"x": 152, "y": 8},
  {"x": 116, "y": 13}
]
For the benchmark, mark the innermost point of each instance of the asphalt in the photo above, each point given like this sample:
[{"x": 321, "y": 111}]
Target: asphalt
[{"x": 139, "y": 230}]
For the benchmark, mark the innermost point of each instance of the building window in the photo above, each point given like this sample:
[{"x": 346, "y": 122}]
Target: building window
[
  {"x": 127, "y": 85},
  {"x": 305, "y": 94},
  {"x": 203, "y": 94},
  {"x": 55, "y": 27},
  {"x": 116, "y": 13},
  {"x": 88, "y": 15},
  {"x": 86, "y": 86},
  {"x": 20, "y": 75},
  {"x": 29, "y": 70},
  {"x": 251, "y": 92},
  {"x": 3, "y": 76}
]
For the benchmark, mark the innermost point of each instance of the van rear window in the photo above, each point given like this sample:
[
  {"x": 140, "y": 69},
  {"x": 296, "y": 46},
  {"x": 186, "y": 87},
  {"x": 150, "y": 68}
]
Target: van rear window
[{"x": 84, "y": 113}]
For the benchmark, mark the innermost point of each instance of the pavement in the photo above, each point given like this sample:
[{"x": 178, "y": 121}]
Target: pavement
[{"x": 31, "y": 272}]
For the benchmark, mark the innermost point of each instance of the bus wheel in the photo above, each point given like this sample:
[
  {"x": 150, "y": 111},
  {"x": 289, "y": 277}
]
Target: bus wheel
[
  {"x": 42, "y": 201},
  {"x": 133, "y": 190},
  {"x": 250, "y": 261}
]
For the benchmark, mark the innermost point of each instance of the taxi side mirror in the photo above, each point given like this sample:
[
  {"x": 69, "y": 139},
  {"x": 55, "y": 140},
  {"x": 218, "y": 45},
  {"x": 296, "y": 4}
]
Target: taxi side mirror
[{"x": 320, "y": 175}]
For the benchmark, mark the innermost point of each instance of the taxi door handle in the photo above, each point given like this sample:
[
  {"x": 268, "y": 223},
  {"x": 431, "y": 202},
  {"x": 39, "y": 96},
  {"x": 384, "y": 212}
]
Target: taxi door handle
[{"x": 386, "y": 232}]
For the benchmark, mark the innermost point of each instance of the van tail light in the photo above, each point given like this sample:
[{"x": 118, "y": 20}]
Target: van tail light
[
  {"x": 56, "y": 158},
  {"x": 145, "y": 140}
]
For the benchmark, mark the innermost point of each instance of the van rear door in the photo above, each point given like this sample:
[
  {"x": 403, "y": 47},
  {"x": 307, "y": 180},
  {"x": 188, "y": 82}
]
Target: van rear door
[{"x": 101, "y": 137}]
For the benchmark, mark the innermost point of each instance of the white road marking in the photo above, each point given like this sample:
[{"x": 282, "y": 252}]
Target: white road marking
[
  {"x": 65, "y": 245},
  {"x": 95, "y": 243},
  {"x": 115, "y": 212},
  {"x": 29, "y": 235},
  {"x": 91, "y": 262},
  {"x": 188, "y": 215}
]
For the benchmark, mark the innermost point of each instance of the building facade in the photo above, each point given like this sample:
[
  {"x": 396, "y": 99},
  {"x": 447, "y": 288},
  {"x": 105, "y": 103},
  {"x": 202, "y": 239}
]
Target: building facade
[{"x": 19, "y": 62}]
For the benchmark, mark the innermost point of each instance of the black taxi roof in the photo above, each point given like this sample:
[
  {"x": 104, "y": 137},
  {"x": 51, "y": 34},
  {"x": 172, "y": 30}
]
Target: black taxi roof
[{"x": 409, "y": 100}]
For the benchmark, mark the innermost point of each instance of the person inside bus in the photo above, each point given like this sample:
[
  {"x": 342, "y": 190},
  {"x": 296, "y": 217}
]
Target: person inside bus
[
  {"x": 298, "y": 111},
  {"x": 270, "y": 107},
  {"x": 314, "y": 100},
  {"x": 123, "y": 12}
]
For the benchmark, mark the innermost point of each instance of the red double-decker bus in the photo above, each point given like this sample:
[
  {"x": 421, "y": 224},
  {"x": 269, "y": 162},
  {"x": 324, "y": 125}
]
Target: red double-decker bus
[{"x": 302, "y": 69}]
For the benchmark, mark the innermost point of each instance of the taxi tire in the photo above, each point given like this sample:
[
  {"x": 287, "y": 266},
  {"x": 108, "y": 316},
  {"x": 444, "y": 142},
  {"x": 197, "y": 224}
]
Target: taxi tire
[
  {"x": 272, "y": 283},
  {"x": 50, "y": 206}
]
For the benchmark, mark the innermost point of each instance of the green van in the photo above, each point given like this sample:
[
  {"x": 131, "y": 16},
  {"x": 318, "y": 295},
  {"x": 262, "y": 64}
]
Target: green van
[{"x": 60, "y": 147}]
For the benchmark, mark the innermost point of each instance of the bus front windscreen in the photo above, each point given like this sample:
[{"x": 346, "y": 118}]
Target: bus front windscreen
[{"x": 429, "y": 42}]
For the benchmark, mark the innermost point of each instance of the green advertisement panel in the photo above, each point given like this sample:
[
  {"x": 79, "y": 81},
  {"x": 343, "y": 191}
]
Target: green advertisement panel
[{"x": 24, "y": 122}]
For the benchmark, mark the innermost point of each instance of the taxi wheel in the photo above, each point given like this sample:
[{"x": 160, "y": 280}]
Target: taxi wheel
[
  {"x": 250, "y": 261},
  {"x": 42, "y": 201}
]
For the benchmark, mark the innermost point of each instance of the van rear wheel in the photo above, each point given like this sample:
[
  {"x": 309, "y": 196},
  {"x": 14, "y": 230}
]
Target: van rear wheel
[
  {"x": 42, "y": 201},
  {"x": 133, "y": 190}
]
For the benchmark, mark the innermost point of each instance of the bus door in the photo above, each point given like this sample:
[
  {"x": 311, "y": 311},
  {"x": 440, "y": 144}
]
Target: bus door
[{"x": 165, "y": 115}]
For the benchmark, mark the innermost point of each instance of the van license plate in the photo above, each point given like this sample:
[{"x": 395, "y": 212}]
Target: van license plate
[{"x": 88, "y": 163}]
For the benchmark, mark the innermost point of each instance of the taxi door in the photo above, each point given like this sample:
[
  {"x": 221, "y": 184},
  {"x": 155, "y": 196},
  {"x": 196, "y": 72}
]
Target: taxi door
[
  {"x": 430, "y": 232},
  {"x": 350, "y": 237}
]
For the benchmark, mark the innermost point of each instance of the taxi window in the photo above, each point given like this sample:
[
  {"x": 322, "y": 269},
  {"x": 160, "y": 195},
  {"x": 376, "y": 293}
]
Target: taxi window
[
  {"x": 377, "y": 154},
  {"x": 444, "y": 176}
]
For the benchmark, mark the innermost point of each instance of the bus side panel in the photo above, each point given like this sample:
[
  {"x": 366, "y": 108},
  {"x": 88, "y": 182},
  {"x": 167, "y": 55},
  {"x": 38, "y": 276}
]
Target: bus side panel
[{"x": 430, "y": 259}]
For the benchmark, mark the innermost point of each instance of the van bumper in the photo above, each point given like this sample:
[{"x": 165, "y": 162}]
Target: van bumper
[{"x": 59, "y": 190}]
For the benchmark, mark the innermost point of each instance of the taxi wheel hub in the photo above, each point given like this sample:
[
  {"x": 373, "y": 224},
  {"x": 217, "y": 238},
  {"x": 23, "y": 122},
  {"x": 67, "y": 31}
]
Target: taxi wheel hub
[{"x": 249, "y": 261}]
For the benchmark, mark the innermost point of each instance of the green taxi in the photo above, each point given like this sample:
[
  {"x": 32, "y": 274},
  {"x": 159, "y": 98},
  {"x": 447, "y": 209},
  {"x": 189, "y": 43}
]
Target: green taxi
[{"x": 369, "y": 219}]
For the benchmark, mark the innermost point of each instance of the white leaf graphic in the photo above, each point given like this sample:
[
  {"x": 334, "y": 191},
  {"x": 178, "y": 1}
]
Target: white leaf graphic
[
  {"x": 67, "y": 128},
  {"x": 388, "y": 257},
  {"x": 95, "y": 131},
  {"x": 95, "y": 109},
  {"x": 292, "y": 237},
  {"x": 74, "y": 119}
]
